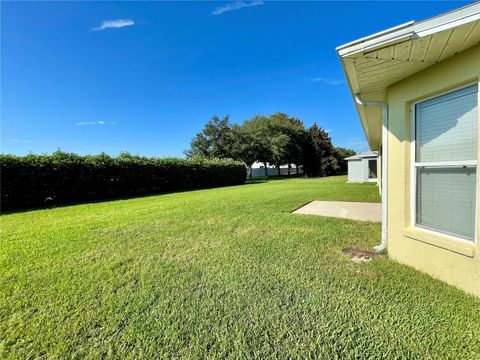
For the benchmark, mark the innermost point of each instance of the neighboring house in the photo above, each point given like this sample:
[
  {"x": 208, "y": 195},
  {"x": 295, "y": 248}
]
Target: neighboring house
[
  {"x": 362, "y": 167},
  {"x": 258, "y": 169},
  {"x": 415, "y": 87}
]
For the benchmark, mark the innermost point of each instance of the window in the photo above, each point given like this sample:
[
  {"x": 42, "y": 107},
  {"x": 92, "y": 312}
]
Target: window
[
  {"x": 445, "y": 163},
  {"x": 372, "y": 169}
]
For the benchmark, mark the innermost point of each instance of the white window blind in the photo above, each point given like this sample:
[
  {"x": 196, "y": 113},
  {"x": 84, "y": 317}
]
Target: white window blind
[
  {"x": 446, "y": 200},
  {"x": 445, "y": 164},
  {"x": 447, "y": 127}
]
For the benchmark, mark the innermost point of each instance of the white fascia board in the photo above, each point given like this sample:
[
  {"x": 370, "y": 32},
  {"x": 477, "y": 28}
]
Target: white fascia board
[
  {"x": 390, "y": 36},
  {"x": 447, "y": 21},
  {"x": 411, "y": 30}
]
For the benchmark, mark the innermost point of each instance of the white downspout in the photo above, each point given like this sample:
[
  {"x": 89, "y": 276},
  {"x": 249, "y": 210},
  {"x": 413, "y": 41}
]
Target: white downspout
[{"x": 383, "y": 106}]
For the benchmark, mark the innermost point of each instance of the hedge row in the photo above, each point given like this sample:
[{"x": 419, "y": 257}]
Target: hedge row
[{"x": 62, "y": 178}]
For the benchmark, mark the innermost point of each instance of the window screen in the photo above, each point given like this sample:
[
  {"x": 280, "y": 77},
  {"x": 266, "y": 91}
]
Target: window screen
[
  {"x": 446, "y": 200},
  {"x": 445, "y": 162},
  {"x": 447, "y": 127}
]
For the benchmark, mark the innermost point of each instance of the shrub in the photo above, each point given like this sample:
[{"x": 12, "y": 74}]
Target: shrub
[{"x": 62, "y": 178}]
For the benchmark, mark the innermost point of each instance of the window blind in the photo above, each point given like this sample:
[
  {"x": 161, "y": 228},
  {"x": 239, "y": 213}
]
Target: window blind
[
  {"x": 446, "y": 179},
  {"x": 446, "y": 200},
  {"x": 446, "y": 127}
]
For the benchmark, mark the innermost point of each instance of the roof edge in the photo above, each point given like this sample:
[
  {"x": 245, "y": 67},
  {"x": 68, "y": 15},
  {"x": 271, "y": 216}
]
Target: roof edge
[
  {"x": 411, "y": 29},
  {"x": 384, "y": 35}
]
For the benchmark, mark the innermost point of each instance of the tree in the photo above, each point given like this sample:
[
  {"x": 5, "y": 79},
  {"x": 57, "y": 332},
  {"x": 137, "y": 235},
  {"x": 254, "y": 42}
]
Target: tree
[
  {"x": 278, "y": 149},
  {"x": 213, "y": 141},
  {"x": 297, "y": 136},
  {"x": 330, "y": 166},
  {"x": 276, "y": 140},
  {"x": 286, "y": 142},
  {"x": 317, "y": 149},
  {"x": 279, "y": 138},
  {"x": 242, "y": 146},
  {"x": 258, "y": 130},
  {"x": 340, "y": 155}
]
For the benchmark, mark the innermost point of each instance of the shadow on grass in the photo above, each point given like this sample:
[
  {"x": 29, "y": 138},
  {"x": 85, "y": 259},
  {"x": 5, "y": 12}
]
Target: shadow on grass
[
  {"x": 108, "y": 199},
  {"x": 249, "y": 181},
  {"x": 263, "y": 179}
]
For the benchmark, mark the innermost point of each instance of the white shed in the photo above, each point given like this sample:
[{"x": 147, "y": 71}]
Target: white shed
[{"x": 362, "y": 167}]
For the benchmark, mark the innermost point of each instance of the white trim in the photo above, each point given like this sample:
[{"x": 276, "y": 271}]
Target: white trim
[
  {"x": 378, "y": 41},
  {"x": 413, "y": 169},
  {"x": 460, "y": 87},
  {"x": 415, "y": 165},
  {"x": 445, "y": 235},
  {"x": 444, "y": 164},
  {"x": 374, "y": 36},
  {"x": 448, "y": 20},
  {"x": 448, "y": 234},
  {"x": 412, "y": 30}
]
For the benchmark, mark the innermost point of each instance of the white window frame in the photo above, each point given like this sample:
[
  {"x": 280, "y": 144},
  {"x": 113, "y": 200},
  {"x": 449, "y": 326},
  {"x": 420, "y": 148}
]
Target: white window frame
[{"x": 440, "y": 164}]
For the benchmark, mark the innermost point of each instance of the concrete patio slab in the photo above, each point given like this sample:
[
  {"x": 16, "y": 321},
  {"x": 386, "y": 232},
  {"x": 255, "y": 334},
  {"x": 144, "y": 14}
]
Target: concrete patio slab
[{"x": 360, "y": 211}]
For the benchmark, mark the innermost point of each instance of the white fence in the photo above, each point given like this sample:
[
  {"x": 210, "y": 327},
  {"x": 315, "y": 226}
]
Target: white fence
[{"x": 257, "y": 172}]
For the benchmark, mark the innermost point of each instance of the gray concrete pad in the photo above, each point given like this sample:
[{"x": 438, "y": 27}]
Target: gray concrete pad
[{"x": 360, "y": 211}]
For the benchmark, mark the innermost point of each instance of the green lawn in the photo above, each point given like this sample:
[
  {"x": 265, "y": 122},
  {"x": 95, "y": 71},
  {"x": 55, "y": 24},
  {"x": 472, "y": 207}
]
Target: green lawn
[{"x": 219, "y": 273}]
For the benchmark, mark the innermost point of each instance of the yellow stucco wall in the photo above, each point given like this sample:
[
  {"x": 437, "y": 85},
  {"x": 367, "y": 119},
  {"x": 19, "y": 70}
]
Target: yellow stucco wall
[{"x": 456, "y": 262}]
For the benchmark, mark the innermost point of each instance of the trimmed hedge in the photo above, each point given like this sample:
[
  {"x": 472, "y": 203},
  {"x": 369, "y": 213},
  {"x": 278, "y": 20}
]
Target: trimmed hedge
[{"x": 62, "y": 178}]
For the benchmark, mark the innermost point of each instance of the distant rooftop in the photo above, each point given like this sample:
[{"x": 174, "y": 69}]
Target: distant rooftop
[{"x": 370, "y": 154}]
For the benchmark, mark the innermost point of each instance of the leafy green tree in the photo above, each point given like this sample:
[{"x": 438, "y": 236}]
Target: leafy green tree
[
  {"x": 214, "y": 141},
  {"x": 297, "y": 133},
  {"x": 330, "y": 166},
  {"x": 278, "y": 149},
  {"x": 277, "y": 139},
  {"x": 258, "y": 130},
  {"x": 317, "y": 149},
  {"x": 340, "y": 154},
  {"x": 272, "y": 138},
  {"x": 242, "y": 146},
  {"x": 287, "y": 133}
]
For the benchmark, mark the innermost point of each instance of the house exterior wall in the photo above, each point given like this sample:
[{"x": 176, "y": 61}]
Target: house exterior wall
[
  {"x": 355, "y": 170},
  {"x": 454, "y": 261},
  {"x": 365, "y": 170}
]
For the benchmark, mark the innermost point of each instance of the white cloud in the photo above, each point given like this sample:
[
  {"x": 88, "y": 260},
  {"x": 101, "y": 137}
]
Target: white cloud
[
  {"x": 327, "y": 81},
  {"x": 92, "y": 123},
  {"x": 21, "y": 141},
  {"x": 235, "y": 6},
  {"x": 114, "y": 24}
]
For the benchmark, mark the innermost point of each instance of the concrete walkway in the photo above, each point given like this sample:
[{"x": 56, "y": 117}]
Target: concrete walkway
[{"x": 342, "y": 209}]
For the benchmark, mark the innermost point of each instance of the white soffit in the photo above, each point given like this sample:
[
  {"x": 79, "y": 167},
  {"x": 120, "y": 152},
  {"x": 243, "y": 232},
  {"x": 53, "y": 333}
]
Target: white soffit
[{"x": 375, "y": 62}]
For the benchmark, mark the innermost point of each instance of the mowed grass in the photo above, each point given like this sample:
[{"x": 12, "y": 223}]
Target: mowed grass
[{"x": 219, "y": 273}]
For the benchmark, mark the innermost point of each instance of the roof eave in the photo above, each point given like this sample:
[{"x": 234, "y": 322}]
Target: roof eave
[
  {"x": 374, "y": 42},
  {"x": 411, "y": 29},
  {"x": 402, "y": 33},
  {"x": 352, "y": 82}
]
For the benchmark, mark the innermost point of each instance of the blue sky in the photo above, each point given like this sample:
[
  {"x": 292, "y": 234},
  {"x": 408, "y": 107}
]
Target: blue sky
[{"x": 145, "y": 76}]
